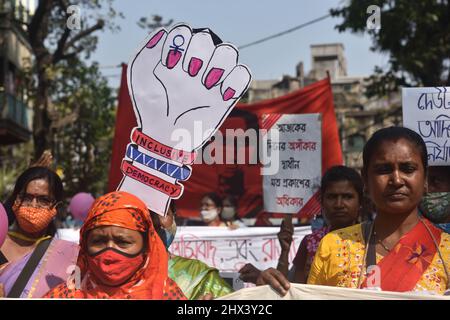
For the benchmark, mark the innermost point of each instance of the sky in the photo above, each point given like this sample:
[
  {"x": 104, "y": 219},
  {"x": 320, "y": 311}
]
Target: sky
[{"x": 240, "y": 22}]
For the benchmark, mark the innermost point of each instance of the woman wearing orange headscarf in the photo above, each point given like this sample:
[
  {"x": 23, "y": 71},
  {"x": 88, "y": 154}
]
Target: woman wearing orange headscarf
[{"x": 121, "y": 255}]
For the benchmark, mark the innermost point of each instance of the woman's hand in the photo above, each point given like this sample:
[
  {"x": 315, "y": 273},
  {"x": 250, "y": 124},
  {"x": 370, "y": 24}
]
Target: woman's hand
[
  {"x": 286, "y": 233},
  {"x": 233, "y": 226},
  {"x": 249, "y": 273},
  {"x": 208, "y": 296},
  {"x": 46, "y": 160},
  {"x": 275, "y": 279},
  {"x": 2, "y": 290}
]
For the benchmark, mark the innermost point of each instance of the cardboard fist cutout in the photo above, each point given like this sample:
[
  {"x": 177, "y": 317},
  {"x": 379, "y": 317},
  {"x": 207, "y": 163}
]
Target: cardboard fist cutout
[{"x": 183, "y": 86}]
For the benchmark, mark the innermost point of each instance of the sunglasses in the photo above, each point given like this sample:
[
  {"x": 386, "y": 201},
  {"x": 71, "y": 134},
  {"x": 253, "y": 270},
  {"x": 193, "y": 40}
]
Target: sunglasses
[{"x": 41, "y": 201}]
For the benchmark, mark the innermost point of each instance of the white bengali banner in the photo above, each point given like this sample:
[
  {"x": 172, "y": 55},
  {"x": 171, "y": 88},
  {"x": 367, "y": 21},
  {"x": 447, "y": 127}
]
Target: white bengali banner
[
  {"x": 315, "y": 292},
  {"x": 225, "y": 249},
  {"x": 229, "y": 250}
]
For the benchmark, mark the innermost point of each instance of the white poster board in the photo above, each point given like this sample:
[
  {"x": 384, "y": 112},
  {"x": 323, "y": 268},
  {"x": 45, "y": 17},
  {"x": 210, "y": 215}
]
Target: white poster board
[
  {"x": 300, "y": 163},
  {"x": 315, "y": 292},
  {"x": 183, "y": 85},
  {"x": 427, "y": 111},
  {"x": 225, "y": 249},
  {"x": 229, "y": 250}
]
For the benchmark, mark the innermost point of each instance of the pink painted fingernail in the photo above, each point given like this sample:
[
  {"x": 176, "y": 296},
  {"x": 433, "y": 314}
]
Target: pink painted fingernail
[
  {"x": 228, "y": 94},
  {"x": 172, "y": 58},
  {"x": 194, "y": 66},
  {"x": 155, "y": 39},
  {"x": 213, "y": 77}
]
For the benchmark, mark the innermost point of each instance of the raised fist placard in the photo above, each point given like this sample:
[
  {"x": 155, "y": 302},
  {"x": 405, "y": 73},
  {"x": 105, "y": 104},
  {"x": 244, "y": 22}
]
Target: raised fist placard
[{"x": 183, "y": 86}]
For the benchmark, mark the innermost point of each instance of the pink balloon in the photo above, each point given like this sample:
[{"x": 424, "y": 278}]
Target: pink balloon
[
  {"x": 80, "y": 204},
  {"x": 3, "y": 224}
]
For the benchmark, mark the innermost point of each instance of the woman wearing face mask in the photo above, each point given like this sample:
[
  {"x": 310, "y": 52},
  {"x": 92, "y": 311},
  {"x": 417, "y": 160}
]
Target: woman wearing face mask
[
  {"x": 229, "y": 213},
  {"x": 210, "y": 209},
  {"x": 121, "y": 255},
  {"x": 435, "y": 204},
  {"x": 195, "y": 278},
  {"x": 30, "y": 252}
]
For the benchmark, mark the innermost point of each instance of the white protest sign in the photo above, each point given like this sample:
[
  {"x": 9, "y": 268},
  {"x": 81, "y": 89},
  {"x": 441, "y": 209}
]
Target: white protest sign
[
  {"x": 225, "y": 249},
  {"x": 315, "y": 292},
  {"x": 183, "y": 85},
  {"x": 229, "y": 250},
  {"x": 427, "y": 111},
  {"x": 300, "y": 163}
]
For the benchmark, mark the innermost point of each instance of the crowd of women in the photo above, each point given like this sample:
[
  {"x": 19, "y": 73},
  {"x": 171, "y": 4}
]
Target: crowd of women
[
  {"x": 123, "y": 249},
  {"x": 407, "y": 240}
]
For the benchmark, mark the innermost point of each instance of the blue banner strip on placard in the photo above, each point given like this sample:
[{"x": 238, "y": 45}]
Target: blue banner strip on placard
[{"x": 174, "y": 171}]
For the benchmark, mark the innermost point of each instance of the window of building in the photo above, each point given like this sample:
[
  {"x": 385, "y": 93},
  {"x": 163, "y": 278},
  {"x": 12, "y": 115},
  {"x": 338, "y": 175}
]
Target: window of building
[
  {"x": 347, "y": 87},
  {"x": 356, "y": 142}
]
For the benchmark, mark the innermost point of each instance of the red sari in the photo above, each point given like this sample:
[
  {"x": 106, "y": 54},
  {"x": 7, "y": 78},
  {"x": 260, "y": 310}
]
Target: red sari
[{"x": 405, "y": 264}]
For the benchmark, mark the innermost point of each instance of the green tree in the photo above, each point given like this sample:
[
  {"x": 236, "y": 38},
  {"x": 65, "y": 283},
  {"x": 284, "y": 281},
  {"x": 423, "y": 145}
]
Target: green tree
[
  {"x": 415, "y": 35},
  {"x": 13, "y": 161},
  {"x": 153, "y": 23},
  {"x": 54, "y": 42},
  {"x": 83, "y": 134}
]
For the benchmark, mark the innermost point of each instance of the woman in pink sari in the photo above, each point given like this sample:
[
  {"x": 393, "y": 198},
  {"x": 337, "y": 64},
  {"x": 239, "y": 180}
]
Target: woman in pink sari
[{"x": 32, "y": 260}]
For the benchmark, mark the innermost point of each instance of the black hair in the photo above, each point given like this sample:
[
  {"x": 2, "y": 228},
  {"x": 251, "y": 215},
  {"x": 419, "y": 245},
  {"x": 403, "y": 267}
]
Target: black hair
[
  {"x": 342, "y": 173},
  {"x": 215, "y": 38},
  {"x": 393, "y": 134},
  {"x": 155, "y": 217},
  {"x": 173, "y": 208},
  {"x": 155, "y": 220},
  {"x": 215, "y": 198},
  {"x": 231, "y": 198},
  {"x": 55, "y": 187}
]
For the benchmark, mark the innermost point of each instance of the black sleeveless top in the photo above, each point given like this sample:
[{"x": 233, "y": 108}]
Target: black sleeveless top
[{"x": 3, "y": 259}]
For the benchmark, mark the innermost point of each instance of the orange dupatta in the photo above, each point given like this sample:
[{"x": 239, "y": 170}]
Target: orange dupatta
[{"x": 150, "y": 282}]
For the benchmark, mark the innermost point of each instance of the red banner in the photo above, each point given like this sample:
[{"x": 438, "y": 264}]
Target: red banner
[{"x": 242, "y": 181}]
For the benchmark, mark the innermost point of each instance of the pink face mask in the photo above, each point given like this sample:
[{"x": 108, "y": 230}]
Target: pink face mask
[{"x": 113, "y": 267}]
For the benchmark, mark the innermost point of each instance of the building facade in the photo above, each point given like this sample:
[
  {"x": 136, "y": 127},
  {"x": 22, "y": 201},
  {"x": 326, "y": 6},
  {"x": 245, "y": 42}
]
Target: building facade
[
  {"x": 15, "y": 105},
  {"x": 15, "y": 57},
  {"x": 358, "y": 117}
]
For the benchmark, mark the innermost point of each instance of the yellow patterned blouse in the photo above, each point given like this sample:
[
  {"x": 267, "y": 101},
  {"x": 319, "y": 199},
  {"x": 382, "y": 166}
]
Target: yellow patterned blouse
[{"x": 339, "y": 261}]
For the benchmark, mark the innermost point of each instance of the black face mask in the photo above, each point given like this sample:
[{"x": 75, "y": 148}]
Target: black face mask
[
  {"x": 117, "y": 251},
  {"x": 144, "y": 249}
]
